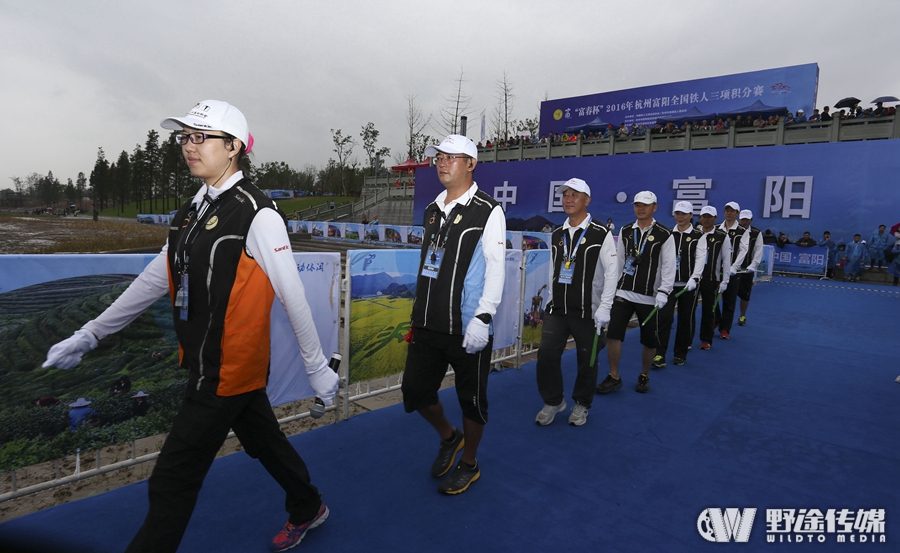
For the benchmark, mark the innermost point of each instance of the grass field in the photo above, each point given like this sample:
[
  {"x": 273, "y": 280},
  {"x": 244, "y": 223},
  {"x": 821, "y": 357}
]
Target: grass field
[{"x": 377, "y": 328}]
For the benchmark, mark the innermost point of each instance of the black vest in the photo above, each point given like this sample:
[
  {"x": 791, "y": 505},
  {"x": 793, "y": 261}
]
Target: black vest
[
  {"x": 229, "y": 297},
  {"x": 735, "y": 234},
  {"x": 754, "y": 235},
  {"x": 438, "y": 302},
  {"x": 576, "y": 298},
  {"x": 685, "y": 253},
  {"x": 714, "y": 242},
  {"x": 644, "y": 279}
]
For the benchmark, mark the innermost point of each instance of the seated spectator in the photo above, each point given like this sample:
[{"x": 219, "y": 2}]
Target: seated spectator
[
  {"x": 769, "y": 237},
  {"x": 806, "y": 241},
  {"x": 826, "y": 115},
  {"x": 801, "y": 117}
]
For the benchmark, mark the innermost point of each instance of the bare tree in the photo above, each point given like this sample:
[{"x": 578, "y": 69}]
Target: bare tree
[
  {"x": 369, "y": 137},
  {"x": 502, "y": 118},
  {"x": 456, "y": 106},
  {"x": 416, "y": 139}
]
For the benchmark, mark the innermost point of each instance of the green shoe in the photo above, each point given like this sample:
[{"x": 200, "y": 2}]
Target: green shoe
[{"x": 659, "y": 362}]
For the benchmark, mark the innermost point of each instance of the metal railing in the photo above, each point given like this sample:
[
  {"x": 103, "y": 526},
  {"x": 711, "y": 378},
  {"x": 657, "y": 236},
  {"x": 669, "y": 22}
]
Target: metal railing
[{"x": 838, "y": 130}]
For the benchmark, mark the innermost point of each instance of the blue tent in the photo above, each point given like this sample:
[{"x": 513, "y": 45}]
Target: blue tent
[
  {"x": 693, "y": 115},
  {"x": 597, "y": 125}
]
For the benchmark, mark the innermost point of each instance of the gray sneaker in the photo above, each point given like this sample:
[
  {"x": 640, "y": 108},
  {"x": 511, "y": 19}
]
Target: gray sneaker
[
  {"x": 579, "y": 415},
  {"x": 547, "y": 414}
]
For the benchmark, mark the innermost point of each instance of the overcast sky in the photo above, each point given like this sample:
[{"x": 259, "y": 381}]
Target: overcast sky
[{"x": 76, "y": 76}]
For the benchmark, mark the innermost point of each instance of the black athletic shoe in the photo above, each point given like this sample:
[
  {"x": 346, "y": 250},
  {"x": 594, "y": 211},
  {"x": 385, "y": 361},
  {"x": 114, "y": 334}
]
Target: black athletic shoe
[
  {"x": 643, "y": 385},
  {"x": 742, "y": 321},
  {"x": 447, "y": 453},
  {"x": 659, "y": 362},
  {"x": 609, "y": 384},
  {"x": 678, "y": 361},
  {"x": 459, "y": 480}
]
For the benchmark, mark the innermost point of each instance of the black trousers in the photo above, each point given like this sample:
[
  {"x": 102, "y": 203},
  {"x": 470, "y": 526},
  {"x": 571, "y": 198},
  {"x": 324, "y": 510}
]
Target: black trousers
[
  {"x": 709, "y": 289},
  {"x": 684, "y": 334},
  {"x": 729, "y": 300},
  {"x": 199, "y": 430},
  {"x": 554, "y": 335}
]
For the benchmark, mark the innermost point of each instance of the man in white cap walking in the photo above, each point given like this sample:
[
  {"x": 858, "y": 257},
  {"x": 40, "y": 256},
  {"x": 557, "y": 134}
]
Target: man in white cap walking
[
  {"x": 750, "y": 263},
  {"x": 690, "y": 258},
  {"x": 645, "y": 257},
  {"x": 739, "y": 245},
  {"x": 460, "y": 283},
  {"x": 715, "y": 272},
  {"x": 583, "y": 286}
]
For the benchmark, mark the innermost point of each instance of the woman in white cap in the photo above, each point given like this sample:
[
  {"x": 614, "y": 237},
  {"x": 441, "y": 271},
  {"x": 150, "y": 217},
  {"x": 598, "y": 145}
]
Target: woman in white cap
[{"x": 227, "y": 257}]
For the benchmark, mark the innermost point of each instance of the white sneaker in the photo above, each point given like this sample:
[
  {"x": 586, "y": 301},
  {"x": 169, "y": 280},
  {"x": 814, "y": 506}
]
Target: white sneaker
[
  {"x": 579, "y": 415},
  {"x": 547, "y": 414},
  {"x": 898, "y": 379}
]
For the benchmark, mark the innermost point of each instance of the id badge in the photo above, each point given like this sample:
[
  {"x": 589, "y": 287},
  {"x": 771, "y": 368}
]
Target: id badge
[
  {"x": 678, "y": 261},
  {"x": 565, "y": 272},
  {"x": 629, "y": 266},
  {"x": 181, "y": 298},
  {"x": 432, "y": 262}
]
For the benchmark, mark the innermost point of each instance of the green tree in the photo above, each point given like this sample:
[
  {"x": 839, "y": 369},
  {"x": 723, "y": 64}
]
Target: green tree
[
  {"x": 369, "y": 137},
  {"x": 122, "y": 180},
  {"x": 343, "y": 147},
  {"x": 100, "y": 180}
]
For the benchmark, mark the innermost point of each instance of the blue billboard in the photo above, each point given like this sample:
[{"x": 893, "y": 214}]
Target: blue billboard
[
  {"x": 789, "y": 87},
  {"x": 844, "y": 187}
]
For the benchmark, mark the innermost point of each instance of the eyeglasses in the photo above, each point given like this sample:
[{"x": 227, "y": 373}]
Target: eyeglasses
[
  {"x": 197, "y": 138},
  {"x": 446, "y": 158}
]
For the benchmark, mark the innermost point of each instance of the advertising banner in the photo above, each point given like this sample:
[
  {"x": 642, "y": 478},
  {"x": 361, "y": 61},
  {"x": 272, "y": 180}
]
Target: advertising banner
[
  {"x": 790, "y": 87},
  {"x": 791, "y": 258},
  {"x": 839, "y": 187},
  {"x": 45, "y": 298},
  {"x": 538, "y": 274}
]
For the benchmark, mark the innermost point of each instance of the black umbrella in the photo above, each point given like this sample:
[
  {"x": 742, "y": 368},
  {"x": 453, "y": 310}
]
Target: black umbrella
[
  {"x": 884, "y": 99},
  {"x": 848, "y": 102}
]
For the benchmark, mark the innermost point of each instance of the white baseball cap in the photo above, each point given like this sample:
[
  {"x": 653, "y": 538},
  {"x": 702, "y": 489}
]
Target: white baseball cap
[
  {"x": 683, "y": 207},
  {"x": 212, "y": 115},
  {"x": 733, "y": 205},
  {"x": 454, "y": 144},
  {"x": 577, "y": 185},
  {"x": 745, "y": 214},
  {"x": 709, "y": 210},
  {"x": 645, "y": 197}
]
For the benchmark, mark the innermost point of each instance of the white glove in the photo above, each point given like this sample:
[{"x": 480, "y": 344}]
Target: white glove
[
  {"x": 732, "y": 271},
  {"x": 723, "y": 286},
  {"x": 601, "y": 319},
  {"x": 324, "y": 382},
  {"x": 67, "y": 353},
  {"x": 476, "y": 336},
  {"x": 661, "y": 299},
  {"x": 691, "y": 285}
]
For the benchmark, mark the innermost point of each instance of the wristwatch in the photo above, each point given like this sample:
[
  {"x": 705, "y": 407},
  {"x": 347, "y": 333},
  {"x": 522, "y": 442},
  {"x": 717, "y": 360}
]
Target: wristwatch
[{"x": 486, "y": 318}]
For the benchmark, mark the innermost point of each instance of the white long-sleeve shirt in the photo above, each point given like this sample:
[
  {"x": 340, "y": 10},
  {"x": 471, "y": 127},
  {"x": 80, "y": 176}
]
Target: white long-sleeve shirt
[
  {"x": 606, "y": 262},
  {"x": 267, "y": 242},
  {"x": 743, "y": 246},
  {"x": 699, "y": 257}
]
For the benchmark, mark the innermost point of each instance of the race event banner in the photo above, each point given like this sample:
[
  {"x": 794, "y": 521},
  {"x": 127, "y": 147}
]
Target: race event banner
[
  {"x": 838, "y": 187},
  {"x": 791, "y": 258},
  {"x": 790, "y": 87}
]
